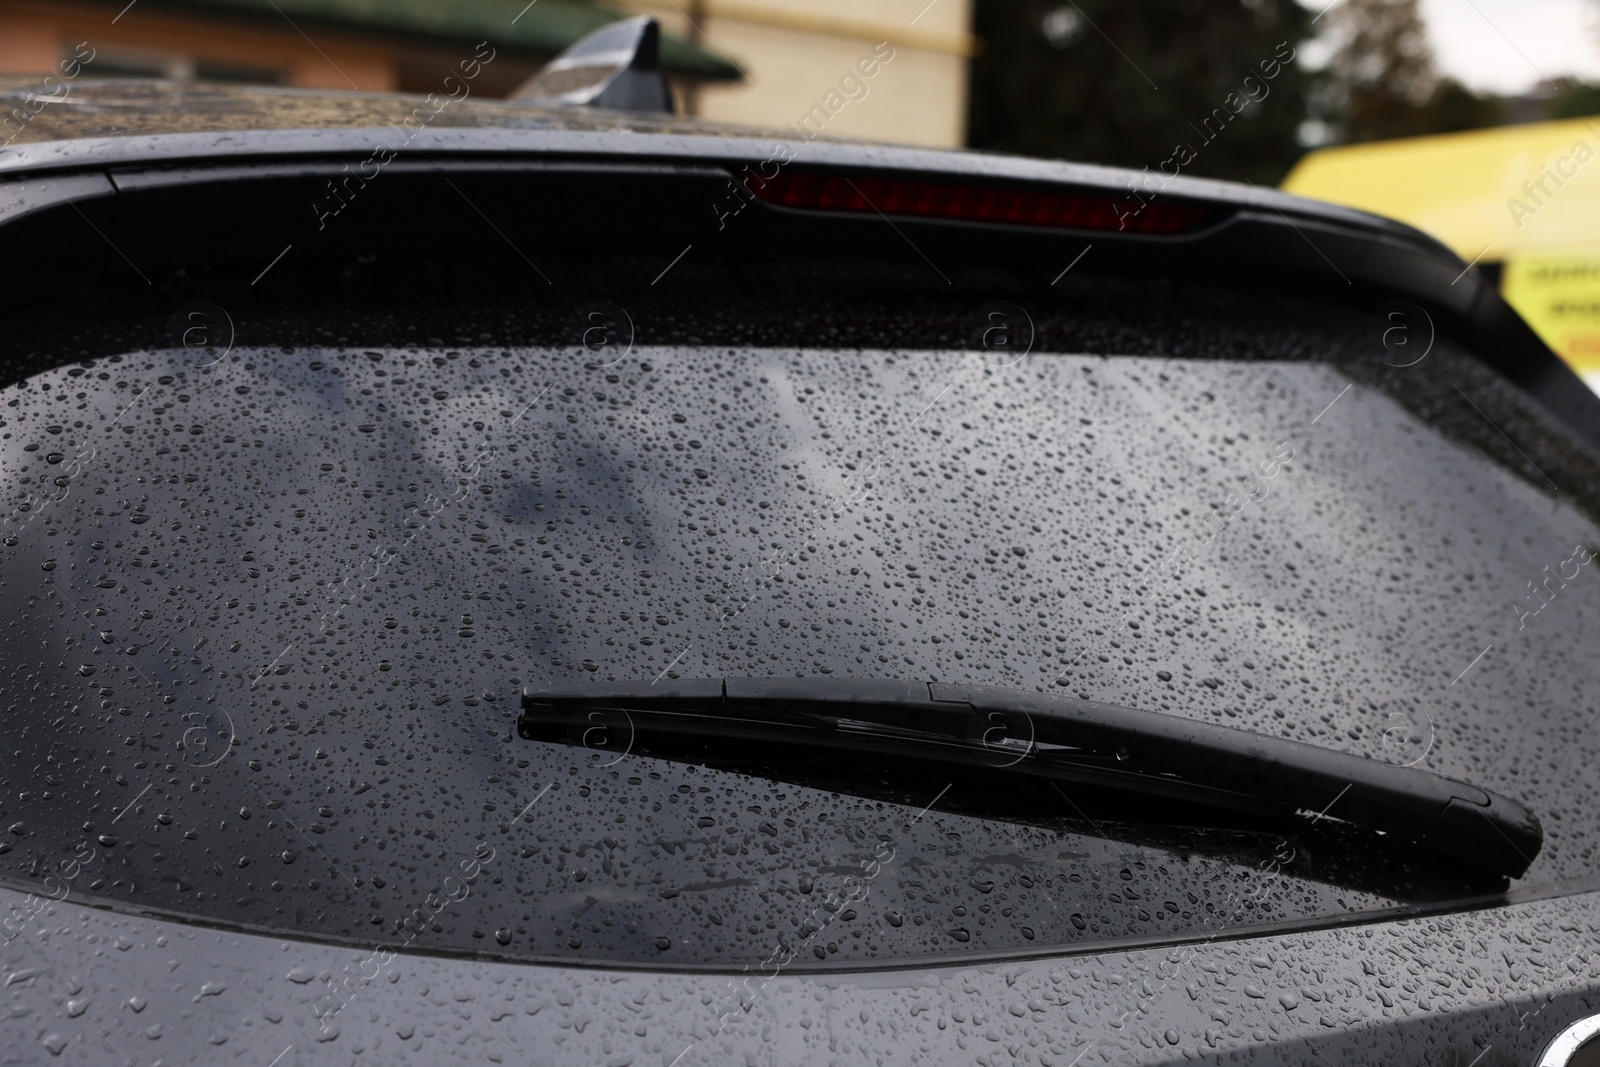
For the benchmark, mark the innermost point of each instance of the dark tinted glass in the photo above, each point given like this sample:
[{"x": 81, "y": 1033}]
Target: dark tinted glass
[{"x": 268, "y": 611}]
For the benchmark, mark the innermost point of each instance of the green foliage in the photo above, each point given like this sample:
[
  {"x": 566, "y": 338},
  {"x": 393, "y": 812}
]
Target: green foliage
[
  {"x": 1453, "y": 107},
  {"x": 1106, "y": 81},
  {"x": 1113, "y": 82},
  {"x": 1574, "y": 100},
  {"x": 1381, "y": 82}
]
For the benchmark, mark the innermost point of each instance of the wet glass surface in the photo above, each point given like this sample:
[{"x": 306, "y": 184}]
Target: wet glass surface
[{"x": 268, "y": 618}]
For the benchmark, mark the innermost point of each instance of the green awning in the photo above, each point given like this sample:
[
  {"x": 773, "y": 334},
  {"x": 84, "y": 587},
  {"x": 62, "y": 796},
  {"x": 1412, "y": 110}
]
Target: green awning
[{"x": 545, "y": 26}]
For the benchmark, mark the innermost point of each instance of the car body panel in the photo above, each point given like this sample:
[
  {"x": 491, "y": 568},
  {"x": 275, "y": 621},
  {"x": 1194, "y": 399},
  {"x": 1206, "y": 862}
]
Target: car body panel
[{"x": 207, "y": 996}]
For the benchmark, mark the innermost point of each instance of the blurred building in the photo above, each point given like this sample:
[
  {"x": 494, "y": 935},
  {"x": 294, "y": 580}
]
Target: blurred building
[
  {"x": 372, "y": 45},
  {"x": 1523, "y": 202},
  {"x": 795, "y": 52},
  {"x": 763, "y": 62}
]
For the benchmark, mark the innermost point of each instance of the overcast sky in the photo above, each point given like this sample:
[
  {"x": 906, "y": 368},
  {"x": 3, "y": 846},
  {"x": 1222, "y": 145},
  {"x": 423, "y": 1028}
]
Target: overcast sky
[{"x": 1478, "y": 41}]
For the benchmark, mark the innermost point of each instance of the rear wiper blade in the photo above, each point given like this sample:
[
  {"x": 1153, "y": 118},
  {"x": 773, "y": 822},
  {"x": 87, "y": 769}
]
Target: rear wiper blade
[{"x": 1033, "y": 734}]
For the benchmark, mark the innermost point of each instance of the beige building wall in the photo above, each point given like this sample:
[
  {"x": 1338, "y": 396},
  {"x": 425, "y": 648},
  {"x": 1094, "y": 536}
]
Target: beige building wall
[{"x": 795, "y": 52}]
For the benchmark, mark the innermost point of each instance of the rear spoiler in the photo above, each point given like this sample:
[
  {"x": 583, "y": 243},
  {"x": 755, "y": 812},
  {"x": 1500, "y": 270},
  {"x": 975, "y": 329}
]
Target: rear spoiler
[{"x": 77, "y": 214}]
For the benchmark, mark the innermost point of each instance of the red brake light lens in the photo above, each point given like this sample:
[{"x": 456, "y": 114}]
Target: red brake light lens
[{"x": 976, "y": 203}]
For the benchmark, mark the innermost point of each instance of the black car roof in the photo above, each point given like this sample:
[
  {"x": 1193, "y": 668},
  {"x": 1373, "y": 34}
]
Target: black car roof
[{"x": 117, "y": 121}]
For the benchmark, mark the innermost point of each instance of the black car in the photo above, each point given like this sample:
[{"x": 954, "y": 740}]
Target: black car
[{"x": 549, "y": 583}]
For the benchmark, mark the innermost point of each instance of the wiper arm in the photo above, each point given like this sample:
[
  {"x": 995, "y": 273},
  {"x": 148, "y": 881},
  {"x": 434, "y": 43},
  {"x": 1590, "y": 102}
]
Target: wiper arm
[{"x": 1034, "y": 734}]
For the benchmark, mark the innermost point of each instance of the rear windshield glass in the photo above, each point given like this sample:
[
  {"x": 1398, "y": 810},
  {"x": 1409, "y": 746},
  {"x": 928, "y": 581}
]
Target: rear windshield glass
[{"x": 269, "y": 610}]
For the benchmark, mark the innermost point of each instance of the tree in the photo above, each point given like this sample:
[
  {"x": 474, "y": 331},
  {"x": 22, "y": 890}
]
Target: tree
[
  {"x": 1452, "y": 107},
  {"x": 1381, "y": 72},
  {"x": 1573, "y": 99},
  {"x": 1382, "y": 81},
  {"x": 1111, "y": 82}
]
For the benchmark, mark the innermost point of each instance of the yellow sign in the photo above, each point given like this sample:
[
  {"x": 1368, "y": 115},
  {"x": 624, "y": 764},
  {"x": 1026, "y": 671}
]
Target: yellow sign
[
  {"x": 1488, "y": 194},
  {"x": 1559, "y": 296}
]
